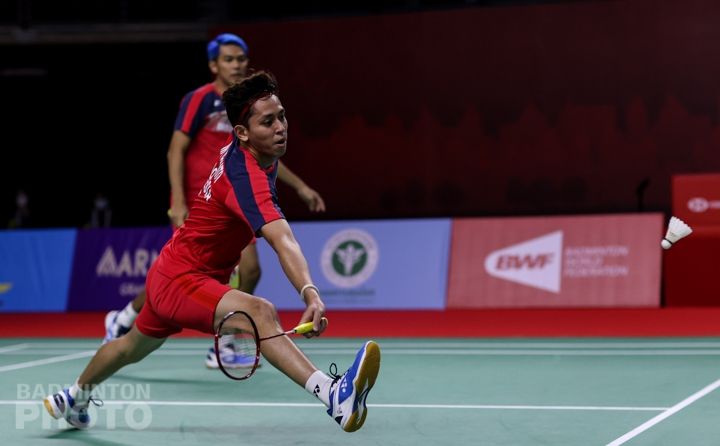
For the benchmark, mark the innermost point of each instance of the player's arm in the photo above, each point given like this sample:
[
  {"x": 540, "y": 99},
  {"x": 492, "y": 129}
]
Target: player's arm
[
  {"x": 313, "y": 199},
  {"x": 280, "y": 237},
  {"x": 179, "y": 144}
]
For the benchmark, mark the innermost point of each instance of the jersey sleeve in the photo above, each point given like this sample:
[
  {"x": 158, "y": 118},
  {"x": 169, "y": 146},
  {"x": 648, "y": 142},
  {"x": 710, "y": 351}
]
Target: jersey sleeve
[
  {"x": 253, "y": 196},
  {"x": 194, "y": 107}
]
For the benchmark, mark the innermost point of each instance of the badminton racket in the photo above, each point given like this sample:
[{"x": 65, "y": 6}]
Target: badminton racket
[{"x": 246, "y": 343}]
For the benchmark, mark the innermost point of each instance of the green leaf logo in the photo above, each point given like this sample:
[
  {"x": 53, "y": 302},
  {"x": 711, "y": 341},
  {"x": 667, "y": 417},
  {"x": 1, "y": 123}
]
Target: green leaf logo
[{"x": 349, "y": 258}]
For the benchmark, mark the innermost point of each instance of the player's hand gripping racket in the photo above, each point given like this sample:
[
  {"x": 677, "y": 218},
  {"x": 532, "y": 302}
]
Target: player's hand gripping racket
[{"x": 246, "y": 343}]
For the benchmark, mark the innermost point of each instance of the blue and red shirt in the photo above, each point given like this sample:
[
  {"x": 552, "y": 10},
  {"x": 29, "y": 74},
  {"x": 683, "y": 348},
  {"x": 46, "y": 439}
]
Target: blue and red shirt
[
  {"x": 203, "y": 118},
  {"x": 235, "y": 202}
]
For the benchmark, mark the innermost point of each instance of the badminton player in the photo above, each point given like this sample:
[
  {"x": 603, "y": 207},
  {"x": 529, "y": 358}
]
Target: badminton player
[
  {"x": 187, "y": 285},
  {"x": 201, "y": 128}
]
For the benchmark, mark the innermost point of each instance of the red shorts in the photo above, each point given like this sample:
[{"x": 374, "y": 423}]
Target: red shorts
[{"x": 186, "y": 301}]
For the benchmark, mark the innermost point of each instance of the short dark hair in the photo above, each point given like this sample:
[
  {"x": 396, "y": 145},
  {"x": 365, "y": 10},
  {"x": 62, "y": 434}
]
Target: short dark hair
[
  {"x": 240, "y": 97},
  {"x": 213, "y": 47}
]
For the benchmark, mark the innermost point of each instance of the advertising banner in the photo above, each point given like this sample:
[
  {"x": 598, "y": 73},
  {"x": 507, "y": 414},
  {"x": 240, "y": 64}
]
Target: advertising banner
[
  {"x": 35, "y": 269},
  {"x": 691, "y": 270},
  {"x": 696, "y": 198},
  {"x": 579, "y": 261},
  {"x": 111, "y": 264},
  {"x": 391, "y": 264}
]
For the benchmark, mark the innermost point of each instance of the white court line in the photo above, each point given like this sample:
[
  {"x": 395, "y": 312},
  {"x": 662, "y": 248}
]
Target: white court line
[
  {"x": 13, "y": 348},
  {"x": 432, "y": 345},
  {"x": 667, "y": 413},
  {"x": 24, "y": 365},
  {"x": 458, "y": 352},
  {"x": 386, "y": 406},
  {"x": 320, "y": 351}
]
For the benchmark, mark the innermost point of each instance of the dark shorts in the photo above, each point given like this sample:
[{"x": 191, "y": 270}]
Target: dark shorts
[{"x": 174, "y": 303}]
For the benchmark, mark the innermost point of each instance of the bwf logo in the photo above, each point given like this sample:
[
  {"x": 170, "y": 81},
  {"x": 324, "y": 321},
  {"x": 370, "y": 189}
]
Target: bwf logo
[
  {"x": 536, "y": 262},
  {"x": 513, "y": 261}
]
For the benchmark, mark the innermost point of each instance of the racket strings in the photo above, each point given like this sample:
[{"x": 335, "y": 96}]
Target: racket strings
[
  {"x": 237, "y": 349},
  {"x": 244, "y": 344}
]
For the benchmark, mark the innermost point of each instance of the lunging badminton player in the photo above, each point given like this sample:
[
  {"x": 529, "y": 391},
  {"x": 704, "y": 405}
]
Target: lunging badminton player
[
  {"x": 187, "y": 285},
  {"x": 201, "y": 129}
]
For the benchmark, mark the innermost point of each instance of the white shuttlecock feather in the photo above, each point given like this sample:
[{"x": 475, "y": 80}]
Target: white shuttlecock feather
[{"x": 677, "y": 229}]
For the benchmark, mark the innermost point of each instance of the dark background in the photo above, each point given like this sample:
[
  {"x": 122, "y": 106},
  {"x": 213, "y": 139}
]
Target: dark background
[{"x": 396, "y": 109}]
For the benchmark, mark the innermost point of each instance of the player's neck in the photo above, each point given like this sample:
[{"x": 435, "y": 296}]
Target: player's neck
[
  {"x": 265, "y": 161},
  {"x": 220, "y": 86}
]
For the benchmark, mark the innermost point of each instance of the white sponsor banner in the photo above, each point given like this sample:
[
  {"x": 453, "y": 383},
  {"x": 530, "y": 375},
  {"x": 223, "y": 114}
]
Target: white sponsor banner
[{"x": 390, "y": 264}]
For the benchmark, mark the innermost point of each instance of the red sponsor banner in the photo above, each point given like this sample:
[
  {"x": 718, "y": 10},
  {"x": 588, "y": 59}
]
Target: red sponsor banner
[
  {"x": 592, "y": 261},
  {"x": 696, "y": 198},
  {"x": 691, "y": 270}
]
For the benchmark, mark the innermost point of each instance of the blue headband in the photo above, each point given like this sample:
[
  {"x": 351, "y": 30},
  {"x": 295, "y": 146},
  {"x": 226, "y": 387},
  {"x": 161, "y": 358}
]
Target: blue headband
[{"x": 213, "y": 48}]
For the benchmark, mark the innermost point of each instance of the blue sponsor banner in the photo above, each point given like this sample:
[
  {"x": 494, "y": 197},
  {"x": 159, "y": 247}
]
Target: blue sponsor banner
[
  {"x": 111, "y": 264},
  {"x": 391, "y": 264},
  {"x": 35, "y": 269}
]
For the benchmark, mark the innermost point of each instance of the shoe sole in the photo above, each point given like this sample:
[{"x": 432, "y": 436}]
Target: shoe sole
[
  {"x": 55, "y": 412},
  {"x": 49, "y": 407},
  {"x": 214, "y": 366},
  {"x": 369, "y": 369}
]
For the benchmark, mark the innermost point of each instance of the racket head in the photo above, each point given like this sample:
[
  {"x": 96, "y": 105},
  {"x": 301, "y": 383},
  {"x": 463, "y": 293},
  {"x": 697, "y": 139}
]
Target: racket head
[{"x": 243, "y": 363}]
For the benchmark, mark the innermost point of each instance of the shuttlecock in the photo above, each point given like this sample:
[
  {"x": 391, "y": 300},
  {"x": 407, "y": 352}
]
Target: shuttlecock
[{"x": 677, "y": 229}]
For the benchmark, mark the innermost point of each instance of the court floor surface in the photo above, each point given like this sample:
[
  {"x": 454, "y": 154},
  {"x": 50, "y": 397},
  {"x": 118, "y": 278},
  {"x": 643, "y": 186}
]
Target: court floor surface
[{"x": 559, "y": 391}]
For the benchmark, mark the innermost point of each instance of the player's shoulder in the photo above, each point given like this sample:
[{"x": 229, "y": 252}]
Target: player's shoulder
[
  {"x": 202, "y": 92},
  {"x": 235, "y": 161}
]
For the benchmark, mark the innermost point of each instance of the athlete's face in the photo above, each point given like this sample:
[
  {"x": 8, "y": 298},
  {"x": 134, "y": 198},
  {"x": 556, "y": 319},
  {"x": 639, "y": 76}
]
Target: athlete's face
[
  {"x": 230, "y": 66},
  {"x": 266, "y": 134}
]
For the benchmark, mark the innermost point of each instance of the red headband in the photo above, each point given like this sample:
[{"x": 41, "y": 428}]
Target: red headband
[{"x": 246, "y": 109}]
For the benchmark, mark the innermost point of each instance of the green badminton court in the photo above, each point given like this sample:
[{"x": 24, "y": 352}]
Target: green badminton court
[{"x": 551, "y": 392}]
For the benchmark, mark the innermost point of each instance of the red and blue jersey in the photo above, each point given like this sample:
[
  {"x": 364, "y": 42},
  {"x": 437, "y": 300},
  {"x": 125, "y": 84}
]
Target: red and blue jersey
[
  {"x": 235, "y": 202},
  {"x": 203, "y": 118}
]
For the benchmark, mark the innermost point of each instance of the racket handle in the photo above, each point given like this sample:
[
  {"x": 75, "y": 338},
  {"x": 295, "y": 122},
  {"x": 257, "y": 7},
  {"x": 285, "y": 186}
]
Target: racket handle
[{"x": 307, "y": 327}]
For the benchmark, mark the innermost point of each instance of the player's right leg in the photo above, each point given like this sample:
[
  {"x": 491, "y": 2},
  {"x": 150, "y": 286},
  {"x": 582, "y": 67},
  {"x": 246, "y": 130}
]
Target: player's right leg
[
  {"x": 345, "y": 395},
  {"x": 72, "y": 403},
  {"x": 249, "y": 270},
  {"x": 117, "y": 323}
]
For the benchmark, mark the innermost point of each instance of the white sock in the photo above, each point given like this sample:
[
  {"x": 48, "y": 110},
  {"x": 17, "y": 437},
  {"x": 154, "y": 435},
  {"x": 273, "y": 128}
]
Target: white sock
[
  {"x": 226, "y": 341},
  {"x": 319, "y": 385},
  {"x": 79, "y": 394},
  {"x": 127, "y": 316}
]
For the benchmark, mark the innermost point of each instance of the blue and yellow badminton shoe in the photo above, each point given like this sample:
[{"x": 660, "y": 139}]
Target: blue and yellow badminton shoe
[
  {"x": 62, "y": 405},
  {"x": 113, "y": 329},
  {"x": 348, "y": 395},
  {"x": 230, "y": 359}
]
